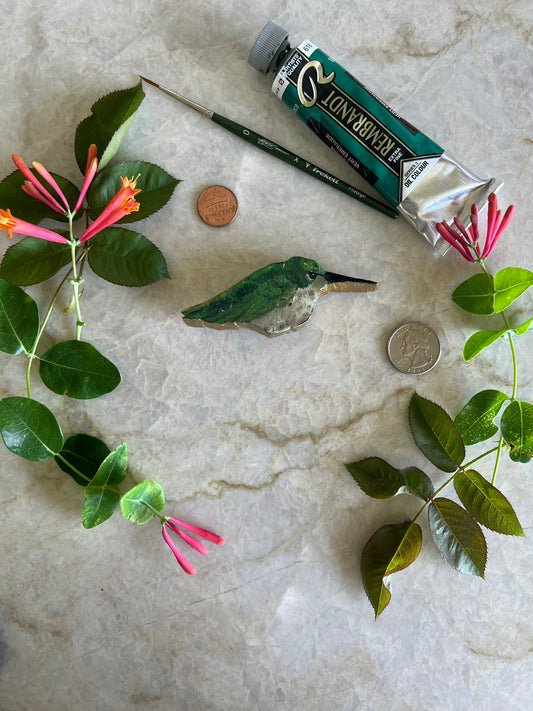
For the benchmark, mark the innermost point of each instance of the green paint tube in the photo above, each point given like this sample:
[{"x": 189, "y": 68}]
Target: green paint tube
[{"x": 412, "y": 172}]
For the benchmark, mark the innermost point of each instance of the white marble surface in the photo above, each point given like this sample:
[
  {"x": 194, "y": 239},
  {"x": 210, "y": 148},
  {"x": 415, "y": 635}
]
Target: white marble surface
[{"x": 248, "y": 435}]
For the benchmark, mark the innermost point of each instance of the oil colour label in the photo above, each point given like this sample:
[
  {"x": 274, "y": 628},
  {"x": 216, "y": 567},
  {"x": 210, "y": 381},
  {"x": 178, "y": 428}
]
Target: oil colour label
[
  {"x": 387, "y": 151},
  {"x": 413, "y": 171}
]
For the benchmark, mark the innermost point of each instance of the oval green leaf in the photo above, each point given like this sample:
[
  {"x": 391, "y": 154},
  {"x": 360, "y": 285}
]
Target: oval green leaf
[
  {"x": 509, "y": 284},
  {"x": 108, "y": 124},
  {"x": 156, "y": 187},
  {"x": 524, "y": 328},
  {"x": 136, "y": 502},
  {"x": 517, "y": 430},
  {"x": 379, "y": 479},
  {"x": 486, "y": 503},
  {"x": 77, "y": 369},
  {"x": 475, "y": 419},
  {"x": 19, "y": 319},
  {"x": 475, "y": 295},
  {"x": 126, "y": 258},
  {"x": 23, "y": 206},
  {"x": 33, "y": 260},
  {"x": 479, "y": 341},
  {"x": 102, "y": 495},
  {"x": 436, "y": 434},
  {"x": 392, "y": 548},
  {"x": 29, "y": 429},
  {"x": 81, "y": 457},
  {"x": 458, "y": 537}
]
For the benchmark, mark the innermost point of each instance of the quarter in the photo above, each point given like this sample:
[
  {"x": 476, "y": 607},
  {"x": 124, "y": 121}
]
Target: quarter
[
  {"x": 217, "y": 206},
  {"x": 414, "y": 348}
]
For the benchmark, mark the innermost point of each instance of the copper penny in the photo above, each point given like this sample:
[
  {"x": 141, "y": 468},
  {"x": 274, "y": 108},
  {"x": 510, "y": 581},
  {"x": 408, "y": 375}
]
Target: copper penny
[{"x": 217, "y": 206}]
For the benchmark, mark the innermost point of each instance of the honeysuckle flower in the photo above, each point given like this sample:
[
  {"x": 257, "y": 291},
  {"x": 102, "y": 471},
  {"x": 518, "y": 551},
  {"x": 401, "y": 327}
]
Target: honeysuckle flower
[
  {"x": 34, "y": 187},
  {"x": 37, "y": 190},
  {"x": 90, "y": 171},
  {"x": 11, "y": 224},
  {"x": 176, "y": 526},
  {"x": 122, "y": 204},
  {"x": 466, "y": 242}
]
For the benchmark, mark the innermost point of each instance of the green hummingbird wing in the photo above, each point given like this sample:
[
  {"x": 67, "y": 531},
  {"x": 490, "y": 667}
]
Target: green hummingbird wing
[{"x": 257, "y": 294}]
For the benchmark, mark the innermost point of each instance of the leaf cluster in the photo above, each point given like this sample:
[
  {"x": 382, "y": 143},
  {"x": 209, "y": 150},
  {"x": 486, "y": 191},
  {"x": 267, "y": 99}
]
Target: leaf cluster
[
  {"x": 74, "y": 367},
  {"x": 455, "y": 529}
]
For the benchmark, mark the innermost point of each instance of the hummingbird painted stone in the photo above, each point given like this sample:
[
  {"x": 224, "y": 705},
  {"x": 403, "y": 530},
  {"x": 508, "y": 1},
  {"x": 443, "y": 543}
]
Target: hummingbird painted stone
[{"x": 274, "y": 299}]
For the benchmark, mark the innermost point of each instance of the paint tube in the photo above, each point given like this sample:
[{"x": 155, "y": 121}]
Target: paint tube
[{"x": 412, "y": 172}]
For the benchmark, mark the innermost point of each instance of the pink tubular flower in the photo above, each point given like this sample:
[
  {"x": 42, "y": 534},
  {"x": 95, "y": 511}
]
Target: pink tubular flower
[
  {"x": 34, "y": 187},
  {"x": 175, "y": 525},
  {"x": 90, "y": 172},
  {"x": 466, "y": 242},
  {"x": 12, "y": 224},
  {"x": 119, "y": 206}
]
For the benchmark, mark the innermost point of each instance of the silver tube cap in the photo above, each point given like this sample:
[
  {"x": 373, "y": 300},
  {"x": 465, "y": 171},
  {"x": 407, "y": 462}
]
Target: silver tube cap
[{"x": 271, "y": 41}]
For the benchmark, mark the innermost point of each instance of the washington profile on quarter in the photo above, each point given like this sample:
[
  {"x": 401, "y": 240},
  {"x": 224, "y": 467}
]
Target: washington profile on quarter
[{"x": 414, "y": 348}]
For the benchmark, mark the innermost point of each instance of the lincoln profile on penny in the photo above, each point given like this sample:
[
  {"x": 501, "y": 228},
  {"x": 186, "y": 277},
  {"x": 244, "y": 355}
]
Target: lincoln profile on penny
[{"x": 275, "y": 299}]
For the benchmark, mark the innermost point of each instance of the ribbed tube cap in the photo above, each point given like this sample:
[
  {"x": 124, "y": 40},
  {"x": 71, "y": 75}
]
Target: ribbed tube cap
[{"x": 271, "y": 41}]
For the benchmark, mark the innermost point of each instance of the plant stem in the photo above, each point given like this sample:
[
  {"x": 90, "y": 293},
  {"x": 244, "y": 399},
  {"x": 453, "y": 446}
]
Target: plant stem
[
  {"x": 155, "y": 512},
  {"x": 448, "y": 481},
  {"x": 31, "y": 356},
  {"x": 497, "y": 462},
  {"x": 76, "y": 281}
]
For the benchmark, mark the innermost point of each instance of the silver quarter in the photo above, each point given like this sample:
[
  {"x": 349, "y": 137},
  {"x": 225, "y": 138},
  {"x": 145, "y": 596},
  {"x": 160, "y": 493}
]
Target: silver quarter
[{"x": 414, "y": 348}]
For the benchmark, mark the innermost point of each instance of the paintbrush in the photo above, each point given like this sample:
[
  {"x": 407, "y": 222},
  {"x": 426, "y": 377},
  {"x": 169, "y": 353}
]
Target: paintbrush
[{"x": 265, "y": 144}]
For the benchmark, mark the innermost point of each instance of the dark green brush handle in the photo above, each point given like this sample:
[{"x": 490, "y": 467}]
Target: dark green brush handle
[{"x": 265, "y": 144}]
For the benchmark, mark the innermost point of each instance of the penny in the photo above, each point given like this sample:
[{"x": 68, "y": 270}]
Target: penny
[
  {"x": 414, "y": 348},
  {"x": 217, "y": 206}
]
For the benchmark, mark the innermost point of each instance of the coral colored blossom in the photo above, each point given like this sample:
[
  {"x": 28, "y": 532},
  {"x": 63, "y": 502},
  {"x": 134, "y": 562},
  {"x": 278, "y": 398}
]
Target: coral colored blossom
[
  {"x": 175, "y": 525},
  {"x": 466, "y": 242},
  {"x": 11, "y": 224},
  {"x": 122, "y": 204}
]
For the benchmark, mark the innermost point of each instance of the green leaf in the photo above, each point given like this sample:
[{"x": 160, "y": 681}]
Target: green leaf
[
  {"x": 479, "y": 341},
  {"x": 108, "y": 124},
  {"x": 390, "y": 549},
  {"x": 25, "y": 207},
  {"x": 458, "y": 537},
  {"x": 82, "y": 453},
  {"x": 475, "y": 295},
  {"x": 524, "y": 328},
  {"x": 486, "y": 503},
  {"x": 19, "y": 320},
  {"x": 156, "y": 187},
  {"x": 135, "y": 502},
  {"x": 475, "y": 420},
  {"x": 509, "y": 284},
  {"x": 482, "y": 294},
  {"x": 517, "y": 430},
  {"x": 77, "y": 369},
  {"x": 102, "y": 494},
  {"x": 29, "y": 429},
  {"x": 126, "y": 258},
  {"x": 33, "y": 260},
  {"x": 378, "y": 479},
  {"x": 435, "y": 434}
]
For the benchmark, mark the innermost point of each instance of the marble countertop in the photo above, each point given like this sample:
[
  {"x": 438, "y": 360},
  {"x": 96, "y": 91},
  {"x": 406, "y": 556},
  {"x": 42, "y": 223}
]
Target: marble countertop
[{"x": 249, "y": 435}]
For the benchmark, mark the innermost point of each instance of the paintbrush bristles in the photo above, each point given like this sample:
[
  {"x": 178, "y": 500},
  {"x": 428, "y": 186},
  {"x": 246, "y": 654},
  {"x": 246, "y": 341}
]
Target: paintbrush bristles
[{"x": 149, "y": 81}]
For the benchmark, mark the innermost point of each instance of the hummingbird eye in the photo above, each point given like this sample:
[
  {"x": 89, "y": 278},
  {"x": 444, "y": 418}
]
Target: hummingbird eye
[{"x": 311, "y": 275}]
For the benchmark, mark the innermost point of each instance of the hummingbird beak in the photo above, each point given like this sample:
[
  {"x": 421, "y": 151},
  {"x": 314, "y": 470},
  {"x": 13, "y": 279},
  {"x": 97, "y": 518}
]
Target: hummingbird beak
[{"x": 339, "y": 282}]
